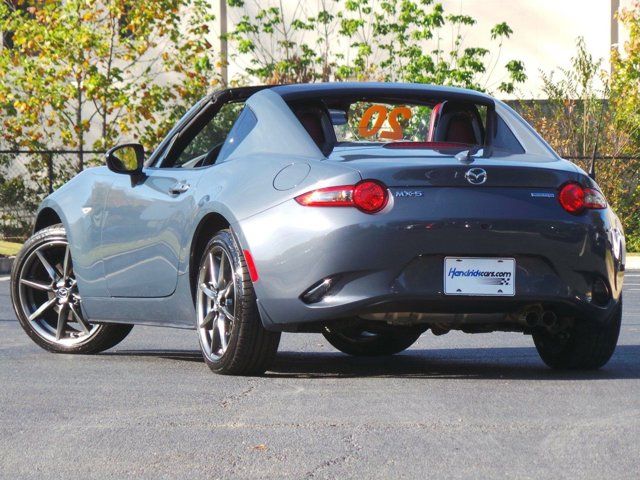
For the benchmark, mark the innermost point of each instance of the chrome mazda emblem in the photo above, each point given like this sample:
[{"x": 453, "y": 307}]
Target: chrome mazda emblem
[{"x": 476, "y": 176}]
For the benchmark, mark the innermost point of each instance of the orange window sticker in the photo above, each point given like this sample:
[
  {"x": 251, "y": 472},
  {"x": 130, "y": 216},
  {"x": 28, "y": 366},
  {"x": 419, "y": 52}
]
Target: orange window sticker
[{"x": 381, "y": 113}]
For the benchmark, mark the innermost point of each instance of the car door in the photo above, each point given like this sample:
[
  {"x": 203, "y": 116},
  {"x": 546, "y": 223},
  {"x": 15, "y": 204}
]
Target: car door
[{"x": 147, "y": 219}]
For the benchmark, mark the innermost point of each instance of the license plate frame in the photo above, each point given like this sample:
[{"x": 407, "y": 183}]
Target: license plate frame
[{"x": 479, "y": 276}]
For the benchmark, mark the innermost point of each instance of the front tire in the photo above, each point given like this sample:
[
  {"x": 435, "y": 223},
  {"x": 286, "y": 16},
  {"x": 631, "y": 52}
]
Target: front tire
[
  {"x": 358, "y": 341},
  {"x": 585, "y": 346},
  {"x": 232, "y": 338},
  {"x": 45, "y": 297}
]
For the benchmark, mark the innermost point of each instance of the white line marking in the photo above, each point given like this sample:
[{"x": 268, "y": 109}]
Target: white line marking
[{"x": 4, "y": 279}]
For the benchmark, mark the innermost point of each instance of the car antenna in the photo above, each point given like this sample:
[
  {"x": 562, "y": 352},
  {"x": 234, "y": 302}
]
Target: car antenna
[
  {"x": 467, "y": 156},
  {"x": 592, "y": 167}
]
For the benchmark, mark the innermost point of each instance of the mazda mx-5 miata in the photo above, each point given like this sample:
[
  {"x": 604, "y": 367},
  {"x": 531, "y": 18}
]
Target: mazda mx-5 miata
[{"x": 370, "y": 213}]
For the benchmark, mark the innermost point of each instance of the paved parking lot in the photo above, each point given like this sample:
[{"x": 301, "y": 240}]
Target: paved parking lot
[{"x": 456, "y": 406}]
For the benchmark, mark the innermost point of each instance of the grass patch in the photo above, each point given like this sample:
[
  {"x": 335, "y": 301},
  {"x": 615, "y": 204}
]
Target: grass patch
[{"x": 9, "y": 249}]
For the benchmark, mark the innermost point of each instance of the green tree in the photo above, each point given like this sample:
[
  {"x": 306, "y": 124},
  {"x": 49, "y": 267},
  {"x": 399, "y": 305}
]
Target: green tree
[
  {"x": 392, "y": 40},
  {"x": 577, "y": 112},
  {"x": 625, "y": 79},
  {"x": 83, "y": 73},
  {"x": 276, "y": 41}
]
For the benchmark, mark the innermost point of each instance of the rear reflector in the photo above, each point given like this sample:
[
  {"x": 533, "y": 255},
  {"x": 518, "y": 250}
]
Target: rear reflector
[
  {"x": 575, "y": 199},
  {"x": 251, "y": 266},
  {"x": 368, "y": 196}
]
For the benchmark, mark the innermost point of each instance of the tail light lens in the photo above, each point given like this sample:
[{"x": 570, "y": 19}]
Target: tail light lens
[
  {"x": 575, "y": 199},
  {"x": 368, "y": 196}
]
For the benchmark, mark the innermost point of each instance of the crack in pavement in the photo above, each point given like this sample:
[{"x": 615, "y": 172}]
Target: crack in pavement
[
  {"x": 353, "y": 449},
  {"x": 236, "y": 397}
]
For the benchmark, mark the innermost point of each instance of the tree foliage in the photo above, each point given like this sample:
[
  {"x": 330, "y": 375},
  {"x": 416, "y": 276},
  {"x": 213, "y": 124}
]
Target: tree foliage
[
  {"x": 86, "y": 74},
  {"x": 625, "y": 78},
  {"x": 103, "y": 70},
  {"x": 390, "y": 40},
  {"x": 576, "y": 115}
]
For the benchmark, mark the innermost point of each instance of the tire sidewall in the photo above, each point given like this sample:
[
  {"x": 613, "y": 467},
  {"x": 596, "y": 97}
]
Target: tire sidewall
[
  {"x": 587, "y": 338},
  {"x": 225, "y": 240}
]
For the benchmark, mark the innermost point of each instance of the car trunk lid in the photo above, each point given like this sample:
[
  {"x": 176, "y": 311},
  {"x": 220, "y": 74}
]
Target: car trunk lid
[{"x": 432, "y": 168}]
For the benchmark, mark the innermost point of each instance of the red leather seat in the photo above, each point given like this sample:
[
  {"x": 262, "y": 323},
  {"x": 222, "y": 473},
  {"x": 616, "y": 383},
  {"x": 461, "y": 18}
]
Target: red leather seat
[
  {"x": 454, "y": 123},
  {"x": 460, "y": 130}
]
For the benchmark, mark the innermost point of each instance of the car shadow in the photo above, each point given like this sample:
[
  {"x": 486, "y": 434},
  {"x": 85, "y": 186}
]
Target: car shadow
[
  {"x": 505, "y": 363},
  {"x": 522, "y": 363},
  {"x": 183, "y": 355}
]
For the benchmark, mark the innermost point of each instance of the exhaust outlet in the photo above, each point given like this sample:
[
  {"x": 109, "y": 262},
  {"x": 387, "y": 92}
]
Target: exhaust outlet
[
  {"x": 532, "y": 317},
  {"x": 549, "y": 318}
]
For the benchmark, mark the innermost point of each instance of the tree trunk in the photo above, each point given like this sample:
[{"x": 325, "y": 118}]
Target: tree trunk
[{"x": 80, "y": 127}]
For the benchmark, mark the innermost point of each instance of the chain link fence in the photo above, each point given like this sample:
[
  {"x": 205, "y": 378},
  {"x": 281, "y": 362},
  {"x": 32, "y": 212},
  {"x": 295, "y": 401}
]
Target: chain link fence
[{"x": 26, "y": 177}]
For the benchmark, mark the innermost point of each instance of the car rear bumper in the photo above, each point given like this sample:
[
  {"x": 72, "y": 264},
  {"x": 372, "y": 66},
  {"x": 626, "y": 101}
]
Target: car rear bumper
[{"x": 395, "y": 262}]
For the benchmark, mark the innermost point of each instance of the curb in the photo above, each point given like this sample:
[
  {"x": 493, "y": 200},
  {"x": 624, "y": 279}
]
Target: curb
[
  {"x": 5, "y": 265},
  {"x": 632, "y": 262}
]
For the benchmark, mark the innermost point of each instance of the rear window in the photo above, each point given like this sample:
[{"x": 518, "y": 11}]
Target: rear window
[{"x": 382, "y": 122}]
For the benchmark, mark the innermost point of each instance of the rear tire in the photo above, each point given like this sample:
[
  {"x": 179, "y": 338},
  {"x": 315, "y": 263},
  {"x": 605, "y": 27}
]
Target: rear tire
[
  {"x": 586, "y": 346},
  {"x": 232, "y": 338},
  {"x": 357, "y": 341},
  {"x": 46, "y": 300}
]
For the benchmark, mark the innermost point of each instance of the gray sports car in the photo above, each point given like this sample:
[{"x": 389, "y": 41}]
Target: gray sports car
[{"x": 368, "y": 212}]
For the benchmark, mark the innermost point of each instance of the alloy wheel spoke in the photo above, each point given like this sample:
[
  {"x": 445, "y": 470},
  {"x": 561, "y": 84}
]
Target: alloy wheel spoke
[
  {"x": 207, "y": 291},
  {"x": 47, "y": 266},
  {"x": 37, "y": 285},
  {"x": 207, "y": 319},
  {"x": 62, "y": 321},
  {"x": 227, "y": 313},
  {"x": 209, "y": 345},
  {"x": 41, "y": 309},
  {"x": 222, "y": 333},
  {"x": 220, "y": 279},
  {"x": 83, "y": 323},
  {"x": 212, "y": 271},
  {"x": 227, "y": 290},
  {"x": 67, "y": 263}
]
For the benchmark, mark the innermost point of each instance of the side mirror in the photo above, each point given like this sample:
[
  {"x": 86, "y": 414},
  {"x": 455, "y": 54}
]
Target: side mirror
[{"x": 127, "y": 158}]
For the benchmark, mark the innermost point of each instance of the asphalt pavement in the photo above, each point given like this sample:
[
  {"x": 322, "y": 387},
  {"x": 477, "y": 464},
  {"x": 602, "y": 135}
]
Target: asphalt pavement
[{"x": 456, "y": 406}]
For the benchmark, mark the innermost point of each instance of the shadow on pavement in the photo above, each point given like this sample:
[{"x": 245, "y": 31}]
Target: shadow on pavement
[
  {"x": 184, "y": 355},
  {"x": 463, "y": 363},
  {"x": 520, "y": 363}
]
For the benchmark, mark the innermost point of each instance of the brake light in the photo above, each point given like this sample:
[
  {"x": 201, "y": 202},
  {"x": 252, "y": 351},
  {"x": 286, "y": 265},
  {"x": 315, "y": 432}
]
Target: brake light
[
  {"x": 368, "y": 196},
  {"x": 575, "y": 199}
]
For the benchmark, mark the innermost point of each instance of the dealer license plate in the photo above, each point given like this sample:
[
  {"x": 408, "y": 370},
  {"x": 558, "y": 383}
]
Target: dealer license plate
[{"x": 479, "y": 276}]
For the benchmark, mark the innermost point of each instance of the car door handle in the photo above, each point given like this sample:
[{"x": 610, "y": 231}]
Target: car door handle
[{"x": 179, "y": 188}]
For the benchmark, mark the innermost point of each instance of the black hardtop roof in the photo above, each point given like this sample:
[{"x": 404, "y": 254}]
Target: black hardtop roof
[{"x": 302, "y": 91}]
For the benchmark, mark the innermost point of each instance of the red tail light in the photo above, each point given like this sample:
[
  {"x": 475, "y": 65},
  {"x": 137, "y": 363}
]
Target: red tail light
[
  {"x": 575, "y": 199},
  {"x": 369, "y": 196}
]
